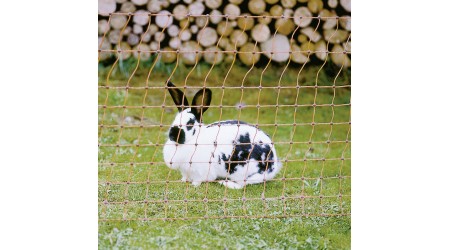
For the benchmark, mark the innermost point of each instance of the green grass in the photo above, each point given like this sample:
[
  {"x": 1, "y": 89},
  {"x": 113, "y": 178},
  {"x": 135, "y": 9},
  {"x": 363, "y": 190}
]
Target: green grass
[{"x": 298, "y": 222}]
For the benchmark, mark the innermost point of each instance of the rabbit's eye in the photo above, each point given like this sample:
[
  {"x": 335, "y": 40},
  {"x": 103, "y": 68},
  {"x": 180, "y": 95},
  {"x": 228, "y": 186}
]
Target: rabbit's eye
[{"x": 190, "y": 124}]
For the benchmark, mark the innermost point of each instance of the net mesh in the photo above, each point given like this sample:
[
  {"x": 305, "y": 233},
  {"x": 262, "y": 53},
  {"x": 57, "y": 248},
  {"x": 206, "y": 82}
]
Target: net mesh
[{"x": 304, "y": 109}]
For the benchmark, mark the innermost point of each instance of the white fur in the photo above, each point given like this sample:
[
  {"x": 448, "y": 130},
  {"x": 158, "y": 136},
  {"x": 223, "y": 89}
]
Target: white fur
[{"x": 200, "y": 163}]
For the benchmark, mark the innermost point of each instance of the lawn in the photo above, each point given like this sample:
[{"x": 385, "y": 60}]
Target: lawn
[{"x": 142, "y": 203}]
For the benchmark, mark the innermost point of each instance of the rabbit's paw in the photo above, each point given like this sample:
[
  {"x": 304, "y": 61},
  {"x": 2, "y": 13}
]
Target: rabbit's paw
[
  {"x": 230, "y": 184},
  {"x": 196, "y": 183}
]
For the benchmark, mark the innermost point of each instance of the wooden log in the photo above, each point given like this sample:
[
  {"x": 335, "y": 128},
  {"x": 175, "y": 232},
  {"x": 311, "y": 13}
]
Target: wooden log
[
  {"x": 141, "y": 52},
  {"x": 114, "y": 36},
  {"x": 173, "y": 30},
  {"x": 201, "y": 21},
  {"x": 328, "y": 23},
  {"x": 315, "y": 6},
  {"x": 215, "y": 17},
  {"x": 105, "y": 45},
  {"x": 103, "y": 27},
  {"x": 346, "y": 4},
  {"x": 288, "y": 12},
  {"x": 185, "y": 35},
  {"x": 288, "y": 3},
  {"x": 180, "y": 12},
  {"x": 265, "y": 19},
  {"x": 237, "y": 2},
  {"x": 276, "y": 10},
  {"x": 284, "y": 26},
  {"x": 123, "y": 51},
  {"x": 159, "y": 36},
  {"x": 127, "y": 7},
  {"x": 152, "y": 29},
  {"x": 207, "y": 37},
  {"x": 137, "y": 29},
  {"x": 139, "y": 2},
  {"x": 233, "y": 24},
  {"x": 196, "y": 8},
  {"x": 302, "y": 38},
  {"x": 174, "y": 1},
  {"x": 194, "y": 29},
  {"x": 175, "y": 42},
  {"x": 347, "y": 46},
  {"x": 297, "y": 56},
  {"x": 309, "y": 32},
  {"x": 118, "y": 21},
  {"x": 133, "y": 39},
  {"x": 277, "y": 48},
  {"x": 164, "y": 3},
  {"x": 223, "y": 42},
  {"x": 335, "y": 36},
  {"x": 305, "y": 15},
  {"x": 321, "y": 50},
  {"x": 154, "y": 6},
  {"x": 245, "y": 23},
  {"x": 272, "y": 1},
  {"x": 340, "y": 58},
  {"x": 249, "y": 58},
  {"x": 307, "y": 46},
  {"x": 213, "y": 4},
  {"x": 146, "y": 37},
  {"x": 188, "y": 1},
  {"x": 126, "y": 31},
  {"x": 345, "y": 22},
  {"x": 120, "y": 1},
  {"x": 168, "y": 57},
  {"x": 238, "y": 38},
  {"x": 213, "y": 56},
  {"x": 332, "y": 3},
  {"x": 187, "y": 52},
  {"x": 260, "y": 33},
  {"x": 229, "y": 58},
  {"x": 154, "y": 46},
  {"x": 224, "y": 28},
  {"x": 232, "y": 11},
  {"x": 184, "y": 24},
  {"x": 257, "y": 6},
  {"x": 106, "y": 6},
  {"x": 164, "y": 19},
  {"x": 140, "y": 17},
  {"x": 229, "y": 47}
]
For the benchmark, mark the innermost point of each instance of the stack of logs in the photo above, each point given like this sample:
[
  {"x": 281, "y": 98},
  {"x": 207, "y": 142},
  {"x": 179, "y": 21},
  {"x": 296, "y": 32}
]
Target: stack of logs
[{"x": 299, "y": 30}]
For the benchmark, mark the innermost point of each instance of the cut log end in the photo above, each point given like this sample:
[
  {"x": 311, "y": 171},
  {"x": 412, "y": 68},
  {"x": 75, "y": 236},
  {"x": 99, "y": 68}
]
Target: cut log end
[
  {"x": 260, "y": 33},
  {"x": 249, "y": 58}
]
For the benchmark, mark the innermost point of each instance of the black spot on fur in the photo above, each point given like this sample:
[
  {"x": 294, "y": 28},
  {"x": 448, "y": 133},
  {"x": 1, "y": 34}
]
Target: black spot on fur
[
  {"x": 190, "y": 124},
  {"x": 243, "y": 150},
  {"x": 177, "y": 135}
]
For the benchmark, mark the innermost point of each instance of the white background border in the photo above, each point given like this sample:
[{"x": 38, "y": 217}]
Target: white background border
[{"x": 400, "y": 128}]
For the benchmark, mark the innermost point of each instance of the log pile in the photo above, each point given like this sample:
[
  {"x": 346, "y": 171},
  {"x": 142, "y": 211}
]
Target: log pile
[{"x": 216, "y": 31}]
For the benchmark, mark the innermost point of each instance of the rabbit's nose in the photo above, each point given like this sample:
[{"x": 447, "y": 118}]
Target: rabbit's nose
[{"x": 176, "y": 134}]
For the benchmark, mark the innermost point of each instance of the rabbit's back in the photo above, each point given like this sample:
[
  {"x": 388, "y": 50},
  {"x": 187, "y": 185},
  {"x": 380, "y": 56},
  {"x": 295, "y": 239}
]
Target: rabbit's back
[{"x": 240, "y": 150}]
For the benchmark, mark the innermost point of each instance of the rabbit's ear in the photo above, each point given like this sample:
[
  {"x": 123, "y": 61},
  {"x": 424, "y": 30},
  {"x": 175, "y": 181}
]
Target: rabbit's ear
[
  {"x": 201, "y": 102},
  {"x": 179, "y": 98}
]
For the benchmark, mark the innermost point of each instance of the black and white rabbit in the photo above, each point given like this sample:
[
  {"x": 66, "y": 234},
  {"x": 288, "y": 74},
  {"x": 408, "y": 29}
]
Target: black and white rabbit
[{"x": 231, "y": 150}]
